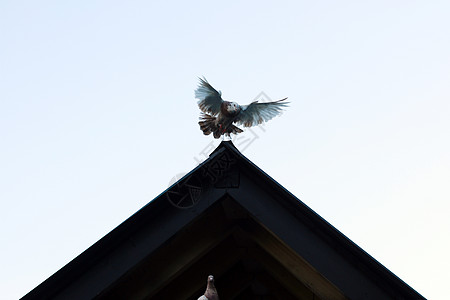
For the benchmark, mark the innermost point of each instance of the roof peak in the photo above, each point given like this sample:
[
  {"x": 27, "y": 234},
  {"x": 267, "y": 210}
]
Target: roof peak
[{"x": 226, "y": 144}]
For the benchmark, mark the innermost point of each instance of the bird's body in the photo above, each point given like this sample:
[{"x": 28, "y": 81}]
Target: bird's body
[
  {"x": 211, "y": 292},
  {"x": 218, "y": 115}
]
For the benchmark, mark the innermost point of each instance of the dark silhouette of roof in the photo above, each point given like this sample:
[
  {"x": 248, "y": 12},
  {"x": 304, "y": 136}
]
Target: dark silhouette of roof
[{"x": 230, "y": 219}]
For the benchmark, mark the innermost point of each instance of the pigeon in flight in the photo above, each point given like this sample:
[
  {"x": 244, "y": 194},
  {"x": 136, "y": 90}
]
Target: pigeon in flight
[
  {"x": 218, "y": 115},
  {"x": 211, "y": 292}
]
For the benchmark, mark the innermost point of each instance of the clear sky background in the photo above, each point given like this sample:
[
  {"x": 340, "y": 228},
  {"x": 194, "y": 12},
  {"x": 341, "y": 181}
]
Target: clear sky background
[{"x": 97, "y": 115}]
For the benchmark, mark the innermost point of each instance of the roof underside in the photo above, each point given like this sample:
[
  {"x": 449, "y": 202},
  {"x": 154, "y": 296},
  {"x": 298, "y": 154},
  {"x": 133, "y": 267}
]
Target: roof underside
[{"x": 246, "y": 259}]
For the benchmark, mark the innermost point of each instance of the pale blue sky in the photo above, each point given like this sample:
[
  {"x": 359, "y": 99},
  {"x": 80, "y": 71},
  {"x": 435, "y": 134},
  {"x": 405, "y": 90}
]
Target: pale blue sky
[{"x": 97, "y": 115}]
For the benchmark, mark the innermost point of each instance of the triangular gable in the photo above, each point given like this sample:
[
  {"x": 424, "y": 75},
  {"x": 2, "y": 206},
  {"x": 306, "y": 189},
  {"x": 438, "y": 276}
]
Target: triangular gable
[{"x": 229, "y": 218}]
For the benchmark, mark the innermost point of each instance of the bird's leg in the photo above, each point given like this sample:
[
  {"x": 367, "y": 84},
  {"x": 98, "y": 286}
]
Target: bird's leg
[{"x": 222, "y": 128}]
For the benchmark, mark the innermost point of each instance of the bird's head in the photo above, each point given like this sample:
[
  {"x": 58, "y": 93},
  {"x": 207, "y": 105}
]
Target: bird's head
[
  {"x": 211, "y": 279},
  {"x": 233, "y": 107}
]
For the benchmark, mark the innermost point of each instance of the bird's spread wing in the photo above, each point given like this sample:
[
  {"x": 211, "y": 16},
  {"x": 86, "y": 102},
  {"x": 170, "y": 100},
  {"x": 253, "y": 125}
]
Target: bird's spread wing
[
  {"x": 209, "y": 100},
  {"x": 255, "y": 113}
]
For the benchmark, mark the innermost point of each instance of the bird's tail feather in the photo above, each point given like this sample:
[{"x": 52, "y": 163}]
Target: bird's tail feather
[{"x": 208, "y": 125}]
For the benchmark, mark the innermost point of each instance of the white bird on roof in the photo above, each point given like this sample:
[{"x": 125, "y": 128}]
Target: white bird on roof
[{"x": 218, "y": 115}]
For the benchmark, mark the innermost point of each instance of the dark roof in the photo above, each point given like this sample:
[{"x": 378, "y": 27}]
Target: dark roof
[{"x": 229, "y": 218}]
